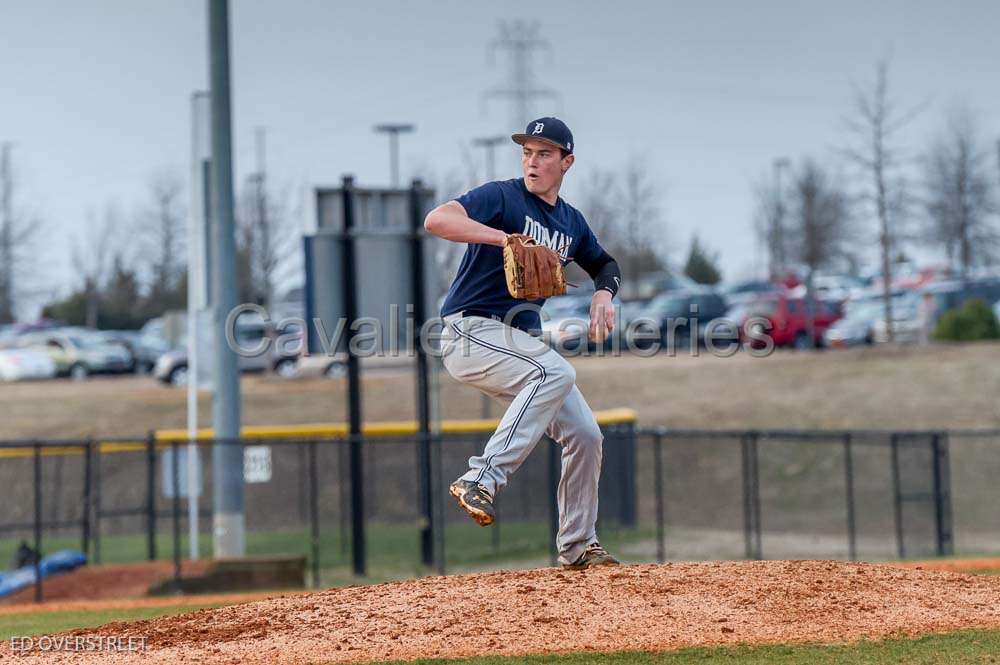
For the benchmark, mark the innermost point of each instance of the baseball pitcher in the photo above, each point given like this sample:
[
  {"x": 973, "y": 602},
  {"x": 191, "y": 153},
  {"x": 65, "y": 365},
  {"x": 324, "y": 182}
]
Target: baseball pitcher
[{"x": 520, "y": 234}]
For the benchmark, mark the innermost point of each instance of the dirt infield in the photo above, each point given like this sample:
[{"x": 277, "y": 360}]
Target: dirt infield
[{"x": 641, "y": 607}]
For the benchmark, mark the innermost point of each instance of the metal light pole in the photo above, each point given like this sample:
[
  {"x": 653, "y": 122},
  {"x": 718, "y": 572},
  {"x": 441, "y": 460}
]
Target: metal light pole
[
  {"x": 229, "y": 538},
  {"x": 394, "y": 130},
  {"x": 490, "y": 143},
  {"x": 6, "y": 238}
]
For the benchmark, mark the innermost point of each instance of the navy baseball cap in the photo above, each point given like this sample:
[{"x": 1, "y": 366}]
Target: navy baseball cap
[{"x": 550, "y": 130}]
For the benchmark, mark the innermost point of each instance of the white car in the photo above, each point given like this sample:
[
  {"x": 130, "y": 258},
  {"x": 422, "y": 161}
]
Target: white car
[
  {"x": 23, "y": 364},
  {"x": 566, "y": 320}
]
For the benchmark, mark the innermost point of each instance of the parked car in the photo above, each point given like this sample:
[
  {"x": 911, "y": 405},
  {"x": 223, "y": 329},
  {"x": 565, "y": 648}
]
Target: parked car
[
  {"x": 861, "y": 315},
  {"x": 77, "y": 352},
  {"x": 787, "y": 319},
  {"x": 565, "y": 322},
  {"x": 749, "y": 291},
  {"x": 836, "y": 287},
  {"x": 26, "y": 363},
  {"x": 144, "y": 349},
  {"x": 172, "y": 367},
  {"x": 944, "y": 296},
  {"x": 677, "y": 316},
  {"x": 907, "y": 320},
  {"x": 568, "y": 327}
]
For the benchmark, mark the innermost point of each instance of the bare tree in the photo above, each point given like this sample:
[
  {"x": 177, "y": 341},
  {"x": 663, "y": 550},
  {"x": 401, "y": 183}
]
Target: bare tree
[
  {"x": 18, "y": 231},
  {"x": 447, "y": 186},
  {"x": 821, "y": 228},
  {"x": 769, "y": 225},
  {"x": 90, "y": 256},
  {"x": 640, "y": 243},
  {"x": 597, "y": 206},
  {"x": 959, "y": 201},
  {"x": 162, "y": 223},
  {"x": 821, "y": 225},
  {"x": 875, "y": 128},
  {"x": 268, "y": 233}
]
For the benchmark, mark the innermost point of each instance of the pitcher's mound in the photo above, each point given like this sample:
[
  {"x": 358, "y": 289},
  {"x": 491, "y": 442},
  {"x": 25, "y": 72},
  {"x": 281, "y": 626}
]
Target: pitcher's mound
[{"x": 641, "y": 607}]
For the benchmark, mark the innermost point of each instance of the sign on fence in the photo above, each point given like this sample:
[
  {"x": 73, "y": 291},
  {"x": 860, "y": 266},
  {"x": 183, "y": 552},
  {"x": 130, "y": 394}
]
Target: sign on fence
[
  {"x": 257, "y": 464},
  {"x": 167, "y": 465}
]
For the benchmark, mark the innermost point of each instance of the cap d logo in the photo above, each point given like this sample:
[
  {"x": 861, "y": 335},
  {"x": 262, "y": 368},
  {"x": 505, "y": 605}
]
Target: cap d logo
[{"x": 539, "y": 126}]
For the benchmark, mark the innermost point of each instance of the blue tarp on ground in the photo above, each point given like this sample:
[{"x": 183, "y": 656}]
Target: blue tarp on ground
[{"x": 53, "y": 564}]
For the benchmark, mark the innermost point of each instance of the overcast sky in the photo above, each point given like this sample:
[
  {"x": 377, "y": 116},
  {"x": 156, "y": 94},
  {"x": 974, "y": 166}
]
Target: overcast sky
[{"x": 96, "y": 95}]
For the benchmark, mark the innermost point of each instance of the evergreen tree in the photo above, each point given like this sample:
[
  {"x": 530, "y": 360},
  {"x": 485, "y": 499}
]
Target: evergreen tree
[{"x": 702, "y": 266}]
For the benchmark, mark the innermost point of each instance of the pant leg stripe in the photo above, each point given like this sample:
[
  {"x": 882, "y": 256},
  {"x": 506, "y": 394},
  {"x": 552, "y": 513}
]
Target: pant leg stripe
[{"x": 527, "y": 402}]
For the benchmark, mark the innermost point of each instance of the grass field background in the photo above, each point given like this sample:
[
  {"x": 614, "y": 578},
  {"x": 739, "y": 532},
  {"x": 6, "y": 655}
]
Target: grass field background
[
  {"x": 47, "y": 623},
  {"x": 878, "y": 387},
  {"x": 960, "y": 648},
  {"x": 882, "y": 387},
  {"x": 393, "y": 550}
]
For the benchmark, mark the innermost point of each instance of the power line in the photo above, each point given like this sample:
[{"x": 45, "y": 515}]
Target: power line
[{"x": 520, "y": 40}]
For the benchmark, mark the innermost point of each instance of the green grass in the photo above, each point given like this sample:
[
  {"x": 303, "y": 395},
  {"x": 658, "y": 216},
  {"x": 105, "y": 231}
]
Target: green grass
[
  {"x": 393, "y": 549},
  {"x": 47, "y": 623},
  {"x": 959, "y": 648}
]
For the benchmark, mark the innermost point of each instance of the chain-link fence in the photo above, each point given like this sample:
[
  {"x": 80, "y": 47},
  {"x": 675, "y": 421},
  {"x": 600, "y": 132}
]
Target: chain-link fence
[{"x": 665, "y": 494}]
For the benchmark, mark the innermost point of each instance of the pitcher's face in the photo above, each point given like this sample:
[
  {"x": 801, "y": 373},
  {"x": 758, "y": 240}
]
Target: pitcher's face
[{"x": 543, "y": 166}]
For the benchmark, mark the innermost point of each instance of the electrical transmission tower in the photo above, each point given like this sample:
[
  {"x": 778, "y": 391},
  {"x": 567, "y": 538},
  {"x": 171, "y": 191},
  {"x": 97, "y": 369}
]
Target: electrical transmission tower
[{"x": 520, "y": 40}]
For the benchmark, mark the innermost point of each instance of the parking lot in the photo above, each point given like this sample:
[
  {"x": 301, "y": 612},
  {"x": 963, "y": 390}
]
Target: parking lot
[{"x": 941, "y": 385}]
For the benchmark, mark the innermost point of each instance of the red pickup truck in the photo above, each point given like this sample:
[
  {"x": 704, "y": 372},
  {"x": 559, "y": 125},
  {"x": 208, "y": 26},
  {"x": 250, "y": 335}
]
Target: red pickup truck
[{"x": 787, "y": 318}]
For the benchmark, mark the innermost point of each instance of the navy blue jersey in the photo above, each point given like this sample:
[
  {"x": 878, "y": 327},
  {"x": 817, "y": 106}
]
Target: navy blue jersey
[{"x": 480, "y": 284}]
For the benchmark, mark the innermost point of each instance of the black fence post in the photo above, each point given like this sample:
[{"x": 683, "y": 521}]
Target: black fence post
[
  {"x": 302, "y": 466},
  {"x": 437, "y": 502},
  {"x": 759, "y": 549},
  {"x": 554, "y": 472},
  {"x": 176, "y": 510},
  {"x": 314, "y": 512},
  {"x": 38, "y": 521},
  {"x": 344, "y": 498},
  {"x": 852, "y": 550},
  {"x": 661, "y": 554},
  {"x": 897, "y": 497},
  {"x": 87, "y": 507},
  {"x": 419, "y": 296},
  {"x": 151, "y": 496},
  {"x": 942, "y": 494},
  {"x": 356, "y": 440},
  {"x": 751, "y": 496},
  {"x": 630, "y": 481},
  {"x": 97, "y": 501},
  {"x": 747, "y": 518}
]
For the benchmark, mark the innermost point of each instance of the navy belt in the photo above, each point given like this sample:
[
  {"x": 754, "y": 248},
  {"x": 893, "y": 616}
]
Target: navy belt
[
  {"x": 496, "y": 317},
  {"x": 486, "y": 315}
]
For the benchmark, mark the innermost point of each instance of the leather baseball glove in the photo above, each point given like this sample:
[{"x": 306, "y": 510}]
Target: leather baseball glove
[{"x": 533, "y": 271}]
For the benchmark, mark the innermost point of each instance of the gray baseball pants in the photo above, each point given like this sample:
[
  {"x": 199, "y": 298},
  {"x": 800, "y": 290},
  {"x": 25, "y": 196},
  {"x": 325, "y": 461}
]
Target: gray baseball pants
[{"x": 511, "y": 365}]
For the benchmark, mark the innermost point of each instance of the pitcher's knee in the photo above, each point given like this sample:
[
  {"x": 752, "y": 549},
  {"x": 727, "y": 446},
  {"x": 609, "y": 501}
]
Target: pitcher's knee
[
  {"x": 593, "y": 438},
  {"x": 561, "y": 375},
  {"x": 587, "y": 439}
]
